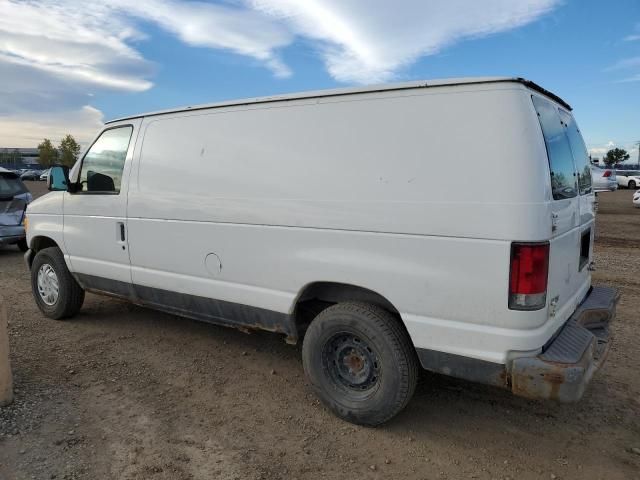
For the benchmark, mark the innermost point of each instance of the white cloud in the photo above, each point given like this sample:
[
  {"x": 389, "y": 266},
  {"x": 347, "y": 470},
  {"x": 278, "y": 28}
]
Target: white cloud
[
  {"x": 225, "y": 27},
  {"x": 632, "y": 78},
  {"x": 92, "y": 42},
  {"x": 626, "y": 64},
  {"x": 634, "y": 36},
  {"x": 81, "y": 43},
  {"x": 56, "y": 54},
  {"x": 242, "y": 31},
  {"x": 370, "y": 41},
  {"x": 27, "y": 130}
]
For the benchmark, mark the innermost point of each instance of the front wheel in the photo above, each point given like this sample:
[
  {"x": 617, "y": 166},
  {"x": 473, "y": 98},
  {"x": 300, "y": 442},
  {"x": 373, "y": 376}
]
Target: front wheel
[
  {"x": 56, "y": 292},
  {"x": 360, "y": 362},
  {"x": 632, "y": 185}
]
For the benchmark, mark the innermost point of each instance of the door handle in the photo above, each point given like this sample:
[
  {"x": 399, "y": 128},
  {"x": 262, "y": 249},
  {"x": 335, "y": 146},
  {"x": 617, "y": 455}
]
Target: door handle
[{"x": 121, "y": 231}]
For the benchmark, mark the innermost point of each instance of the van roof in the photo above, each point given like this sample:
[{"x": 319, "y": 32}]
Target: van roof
[{"x": 354, "y": 90}]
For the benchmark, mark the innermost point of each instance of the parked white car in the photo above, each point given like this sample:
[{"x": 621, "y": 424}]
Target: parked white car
[
  {"x": 636, "y": 199},
  {"x": 628, "y": 178},
  {"x": 45, "y": 175},
  {"x": 323, "y": 216}
]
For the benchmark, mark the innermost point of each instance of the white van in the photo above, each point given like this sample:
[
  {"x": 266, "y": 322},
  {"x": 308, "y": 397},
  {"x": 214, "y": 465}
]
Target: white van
[{"x": 325, "y": 216}]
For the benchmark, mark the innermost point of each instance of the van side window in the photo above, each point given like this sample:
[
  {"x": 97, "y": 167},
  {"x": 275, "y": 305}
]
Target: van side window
[
  {"x": 579, "y": 150},
  {"x": 103, "y": 164},
  {"x": 563, "y": 174}
]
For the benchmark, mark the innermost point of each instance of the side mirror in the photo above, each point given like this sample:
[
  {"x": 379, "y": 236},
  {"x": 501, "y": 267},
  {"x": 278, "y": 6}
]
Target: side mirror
[{"x": 58, "y": 179}]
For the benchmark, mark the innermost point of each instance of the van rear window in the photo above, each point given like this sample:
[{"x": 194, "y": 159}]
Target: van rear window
[
  {"x": 579, "y": 150},
  {"x": 563, "y": 179}
]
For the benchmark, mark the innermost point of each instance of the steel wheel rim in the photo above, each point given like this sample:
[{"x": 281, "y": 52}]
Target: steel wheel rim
[
  {"x": 48, "y": 285},
  {"x": 351, "y": 363}
]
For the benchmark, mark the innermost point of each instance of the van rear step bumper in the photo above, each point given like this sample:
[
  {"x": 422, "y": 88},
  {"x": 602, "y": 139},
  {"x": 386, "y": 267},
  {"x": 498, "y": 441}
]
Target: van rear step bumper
[{"x": 564, "y": 368}]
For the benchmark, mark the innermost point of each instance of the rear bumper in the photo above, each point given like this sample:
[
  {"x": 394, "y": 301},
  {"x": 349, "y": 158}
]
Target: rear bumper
[
  {"x": 605, "y": 187},
  {"x": 566, "y": 365}
]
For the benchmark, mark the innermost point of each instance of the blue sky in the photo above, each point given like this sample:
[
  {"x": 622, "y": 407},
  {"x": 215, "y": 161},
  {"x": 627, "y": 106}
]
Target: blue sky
[{"x": 130, "y": 57}]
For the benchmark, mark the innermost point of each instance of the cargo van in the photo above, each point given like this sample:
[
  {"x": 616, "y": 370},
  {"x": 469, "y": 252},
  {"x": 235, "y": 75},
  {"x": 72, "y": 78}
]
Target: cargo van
[{"x": 325, "y": 217}]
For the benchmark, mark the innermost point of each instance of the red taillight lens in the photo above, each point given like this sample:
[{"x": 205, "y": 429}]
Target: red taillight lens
[
  {"x": 528, "y": 276},
  {"x": 606, "y": 174}
]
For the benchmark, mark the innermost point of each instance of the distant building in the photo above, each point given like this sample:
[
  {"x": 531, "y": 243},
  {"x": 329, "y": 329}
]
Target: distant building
[{"x": 19, "y": 157}]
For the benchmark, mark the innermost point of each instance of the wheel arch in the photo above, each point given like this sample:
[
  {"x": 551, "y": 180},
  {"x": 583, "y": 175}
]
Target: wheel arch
[
  {"x": 334, "y": 292},
  {"x": 38, "y": 243},
  {"x": 316, "y": 296}
]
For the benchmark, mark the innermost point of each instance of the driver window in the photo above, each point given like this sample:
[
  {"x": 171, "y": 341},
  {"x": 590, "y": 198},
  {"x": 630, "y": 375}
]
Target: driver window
[{"x": 103, "y": 164}]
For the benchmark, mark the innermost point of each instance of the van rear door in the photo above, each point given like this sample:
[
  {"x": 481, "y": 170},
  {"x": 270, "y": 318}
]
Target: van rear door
[
  {"x": 583, "y": 167},
  {"x": 571, "y": 209}
]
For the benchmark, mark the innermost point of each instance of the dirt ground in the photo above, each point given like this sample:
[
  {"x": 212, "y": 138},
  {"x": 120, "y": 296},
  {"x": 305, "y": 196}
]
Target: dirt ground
[{"x": 121, "y": 392}]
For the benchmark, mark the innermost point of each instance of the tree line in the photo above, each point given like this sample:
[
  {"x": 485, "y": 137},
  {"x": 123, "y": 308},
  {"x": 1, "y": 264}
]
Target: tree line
[
  {"x": 615, "y": 156},
  {"x": 65, "y": 154}
]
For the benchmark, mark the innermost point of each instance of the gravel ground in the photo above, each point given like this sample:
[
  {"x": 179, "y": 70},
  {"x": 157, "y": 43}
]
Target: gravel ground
[{"x": 121, "y": 392}]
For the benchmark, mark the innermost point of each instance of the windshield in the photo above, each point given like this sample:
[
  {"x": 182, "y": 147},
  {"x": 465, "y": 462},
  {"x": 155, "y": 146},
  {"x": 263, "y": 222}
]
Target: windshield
[{"x": 10, "y": 185}]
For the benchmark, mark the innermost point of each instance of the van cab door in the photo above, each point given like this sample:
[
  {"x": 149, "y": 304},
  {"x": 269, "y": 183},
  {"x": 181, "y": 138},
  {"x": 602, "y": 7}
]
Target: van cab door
[{"x": 95, "y": 211}]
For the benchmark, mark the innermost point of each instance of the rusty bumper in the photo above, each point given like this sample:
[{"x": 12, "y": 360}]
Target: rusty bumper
[{"x": 564, "y": 368}]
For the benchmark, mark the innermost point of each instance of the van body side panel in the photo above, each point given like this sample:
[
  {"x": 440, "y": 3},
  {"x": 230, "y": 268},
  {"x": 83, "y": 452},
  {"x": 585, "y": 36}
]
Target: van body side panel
[
  {"x": 350, "y": 191},
  {"x": 371, "y": 163}
]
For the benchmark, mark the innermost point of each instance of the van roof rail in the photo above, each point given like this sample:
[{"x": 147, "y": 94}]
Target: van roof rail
[{"x": 356, "y": 90}]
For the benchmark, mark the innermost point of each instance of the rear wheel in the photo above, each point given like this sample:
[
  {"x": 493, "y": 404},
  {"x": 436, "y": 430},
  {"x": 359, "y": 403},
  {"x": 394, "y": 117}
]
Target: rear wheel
[
  {"x": 56, "y": 292},
  {"x": 632, "y": 185},
  {"x": 360, "y": 362}
]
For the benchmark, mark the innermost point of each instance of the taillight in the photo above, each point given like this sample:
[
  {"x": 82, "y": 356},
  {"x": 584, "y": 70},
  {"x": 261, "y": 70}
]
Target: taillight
[
  {"x": 606, "y": 174},
  {"x": 528, "y": 276}
]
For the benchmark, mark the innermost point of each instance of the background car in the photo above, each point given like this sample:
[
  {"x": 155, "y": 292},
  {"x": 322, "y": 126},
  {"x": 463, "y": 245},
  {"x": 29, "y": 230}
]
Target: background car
[
  {"x": 14, "y": 198},
  {"x": 44, "y": 175},
  {"x": 628, "y": 178},
  {"x": 30, "y": 175},
  {"x": 604, "y": 179},
  {"x": 636, "y": 199}
]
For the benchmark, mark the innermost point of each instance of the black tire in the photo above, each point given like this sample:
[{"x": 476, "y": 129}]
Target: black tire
[
  {"x": 22, "y": 245},
  {"x": 631, "y": 185},
  {"x": 70, "y": 294},
  {"x": 376, "y": 379}
]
